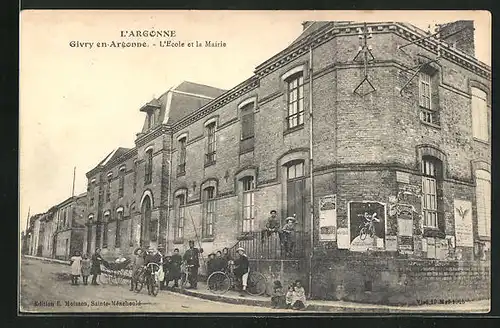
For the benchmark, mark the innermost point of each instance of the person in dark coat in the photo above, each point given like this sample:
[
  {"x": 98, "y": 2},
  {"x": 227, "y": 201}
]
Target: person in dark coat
[
  {"x": 227, "y": 260},
  {"x": 220, "y": 264},
  {"x": 272, "y": 226},
  {"x": 175, "y": 267},
  {"x": 152, "y": 256},
  {"x": 242, "y": 268},
  {"x": 278, "y": 296},
  {"x": 192, "y": 259},
  {"x": 211, "y": 264},
  {"x": 167, "y": 265},
  {"x": 95, "y": 270}
]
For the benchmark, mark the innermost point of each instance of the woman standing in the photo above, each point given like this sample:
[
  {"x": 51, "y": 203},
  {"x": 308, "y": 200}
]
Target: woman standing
[
  {"x": 95, "y": 270},
  {"x": 85, "y": 268}
]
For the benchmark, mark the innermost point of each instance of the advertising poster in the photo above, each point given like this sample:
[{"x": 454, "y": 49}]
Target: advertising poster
[
  {"x": 463, "y": 223},
  {"x": 328, "y": 218},
  {"x": 366, "y": 225}
]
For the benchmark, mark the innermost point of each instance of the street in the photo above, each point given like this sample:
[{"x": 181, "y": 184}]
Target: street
[{"x": 45, "y": 287}]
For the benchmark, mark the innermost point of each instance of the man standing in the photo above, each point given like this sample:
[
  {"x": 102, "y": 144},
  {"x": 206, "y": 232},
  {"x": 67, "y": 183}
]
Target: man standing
[
  {"x": 95, "y": 270},
  {"x": 242, "y": 268},
  {"x": 272, "y": 226},
  {"x": 192, "y": 259}
]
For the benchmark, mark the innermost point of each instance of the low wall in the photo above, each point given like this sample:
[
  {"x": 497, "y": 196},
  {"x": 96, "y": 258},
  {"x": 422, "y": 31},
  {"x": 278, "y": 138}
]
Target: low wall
[{"x": 383, "y": 279}]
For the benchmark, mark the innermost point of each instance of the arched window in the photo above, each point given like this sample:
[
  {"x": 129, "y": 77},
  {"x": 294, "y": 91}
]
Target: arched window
[
  {"x": 148, "y": 174},
  {"x": 121, "y": 183},
  {"x": 119, "y": 218},
  {"x": 483, "y": 202},
  {"x": 146, "y": 225},
  {"x": 179, "y": 212},
  {"x": 131, "y": 227},
  {"x": 480, "y": 126},
  {"x": 295, "y": 192},
  {"x": 181, "y": 168},
  {"x": 211, "y": 144},
  {"x": 431, "y": 185},
  {"x": 295, "y": 100},
  {"x": 248, "y": 205},
  {"x": 108, "y": 187},
  {"x": 105, "y": 230},
  {"x": 208, "y": 212}
]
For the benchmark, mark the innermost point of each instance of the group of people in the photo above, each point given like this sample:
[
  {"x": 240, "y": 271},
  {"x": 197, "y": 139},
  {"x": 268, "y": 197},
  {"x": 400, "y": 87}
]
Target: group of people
[
  {"x": 286, "y": 233},
  {"x": 82, "y": 265},
  {"x": 293, "y": 298}
]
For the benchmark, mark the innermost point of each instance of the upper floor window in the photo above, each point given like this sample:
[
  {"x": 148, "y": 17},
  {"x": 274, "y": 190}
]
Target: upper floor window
[
  {"x": 427, "y": 95},
  {"x": 108, "y": 188},
  {"x": 148, "y": 174},
  {"x": 180, "y": 203},
  {"x": 425, "y": 90},
  {"x": 135, "y": 177},
  {"x": 483, "y": 202},
  {"x": 208, "y": 211},
  {"x": 211, "y": 144},
  {"x": 248, "y": 204},
  {"x": 121, "y": 183},
  {"x": 295, "y": 100},
  {"x": 151, "y": 119},
  {"x": 431, "y": 174},
  {"x": 105, "y": 230},
  {"x": 119, "y": 218},
  {"x": 247, "y": 121},
  {"x": 480, "y": 128},
  {"x": 181, "y": 169}
]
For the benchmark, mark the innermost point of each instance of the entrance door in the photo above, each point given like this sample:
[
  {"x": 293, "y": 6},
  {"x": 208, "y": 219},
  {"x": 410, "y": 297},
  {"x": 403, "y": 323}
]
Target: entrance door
[
  {"x": 295, "y": 192},
  {"x": 145, "y": 222}
]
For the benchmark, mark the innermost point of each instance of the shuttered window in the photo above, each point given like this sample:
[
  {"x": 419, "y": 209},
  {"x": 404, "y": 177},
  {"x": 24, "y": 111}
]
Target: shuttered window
[
  {"x": 480, "y": 126},
  {"x": 483, "y": 203}
]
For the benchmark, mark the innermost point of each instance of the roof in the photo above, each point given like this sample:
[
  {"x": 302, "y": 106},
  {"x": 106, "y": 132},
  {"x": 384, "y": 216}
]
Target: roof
[
  {"x": 113, "y": 155},
  {"x": 199, "y": 89},
  {"x": 310, "y": 29}
]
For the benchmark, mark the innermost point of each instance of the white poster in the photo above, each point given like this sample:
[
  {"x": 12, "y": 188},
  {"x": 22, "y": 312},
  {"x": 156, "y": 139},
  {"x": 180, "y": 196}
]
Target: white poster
[
  {"x": 328, "y": 218},
  {"x": 463, "y": 223},
  {"x": 343, "y": 238}
]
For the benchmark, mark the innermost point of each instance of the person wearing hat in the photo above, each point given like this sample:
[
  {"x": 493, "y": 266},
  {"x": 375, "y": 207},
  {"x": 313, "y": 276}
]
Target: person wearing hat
[
  {"x": 152, "y": 256},
  {"x": 192, "y": 259},
  {"x": 242, "y": 268},
  {"x": 272, "y": 226},
  {"x": 167, "y": 264},
  {"x": 95, "y": 270},
  {"x": 277, "y": 296},
  {"x": 288, "y": 233},
  {"x": 137, "y": 265}
]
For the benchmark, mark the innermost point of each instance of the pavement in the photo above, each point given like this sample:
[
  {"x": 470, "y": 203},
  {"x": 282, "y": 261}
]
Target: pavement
[{"x": 249, "y": 303}]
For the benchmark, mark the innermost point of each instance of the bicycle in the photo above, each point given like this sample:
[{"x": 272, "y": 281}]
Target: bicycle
[
  {"x": 185, "y": 274},
  {"x": 219, "y": 282},
  {"x": 149, "y": 276}
]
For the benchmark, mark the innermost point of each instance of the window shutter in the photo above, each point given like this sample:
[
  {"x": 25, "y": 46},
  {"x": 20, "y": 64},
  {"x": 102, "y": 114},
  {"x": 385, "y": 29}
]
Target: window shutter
[{"x": 247, "y": 125}]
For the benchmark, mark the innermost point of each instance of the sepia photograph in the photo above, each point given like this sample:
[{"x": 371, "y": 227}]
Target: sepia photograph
[{"x": 274, "y": 162}]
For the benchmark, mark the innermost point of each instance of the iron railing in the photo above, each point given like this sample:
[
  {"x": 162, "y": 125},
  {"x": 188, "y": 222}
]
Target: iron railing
[{"x": 271, "y": 247}]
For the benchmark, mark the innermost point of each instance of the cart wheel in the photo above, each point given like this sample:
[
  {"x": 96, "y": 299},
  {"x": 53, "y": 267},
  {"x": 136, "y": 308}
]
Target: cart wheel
[
  {"x": 140, "y": 283},
  {"x": 256, "y": 284},
  {"x": 218, "y": 282}
]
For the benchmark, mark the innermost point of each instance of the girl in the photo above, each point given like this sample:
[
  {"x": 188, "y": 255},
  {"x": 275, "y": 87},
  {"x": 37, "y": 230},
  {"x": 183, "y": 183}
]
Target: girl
[
  {"x": 85, "y": 268},
  {"x": 76, "y": 268},
  {"x": 299, "y": 296},
  {"x": 289, "y": 297},
  {"x": 277, "y": 296},
  {"x": 137, "y": 265}
]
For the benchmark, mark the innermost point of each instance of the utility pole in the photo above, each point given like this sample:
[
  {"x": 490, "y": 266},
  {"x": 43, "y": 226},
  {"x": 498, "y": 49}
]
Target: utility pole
[
  {"x": 73, "y": 189},
  {"x": 311, "y": 166}
]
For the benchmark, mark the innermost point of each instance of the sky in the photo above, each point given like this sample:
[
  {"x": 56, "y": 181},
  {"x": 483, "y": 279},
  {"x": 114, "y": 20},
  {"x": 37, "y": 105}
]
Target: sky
[{"x": 78, "y": 104}]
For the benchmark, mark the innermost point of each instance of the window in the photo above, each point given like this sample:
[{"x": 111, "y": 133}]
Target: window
[
  {"x": 483, "y": 202},
  {"x": 181, "y": 169},
  {"x": 105, "y": 231},
  {"x": 480, "y": 128},
  {"x": 119, "y": 218},
  {"x": 135, "y": 177},
  {"x": 429, "y": 193},
  {"x": 151, "y": 119},
  {"x": 208, "y": 211},
  {"x": 295, "y": 190},
  {"x": 248, "y": 204},
  {"x": 131, "y": 228},
  {"x": 210, "y": 155},
  {"x": 148, "y": 174},
  {"x": 121, "y": 183},
  {"x": 108, "y": 188},
  {"x": 180, "y": 202},
  {"x": 295, "y": 170},
  {"x": 425, "y": 90},
  {"x": 295, "y": 101},
  {"x": 247, "y": 121}
]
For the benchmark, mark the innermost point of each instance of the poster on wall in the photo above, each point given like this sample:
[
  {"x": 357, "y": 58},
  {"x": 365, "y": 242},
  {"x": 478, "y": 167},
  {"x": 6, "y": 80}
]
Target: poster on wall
[
  {"x": 328, "y": 218},
  {"x": 366, "y": 225},
  {"x": 343, "y": 238},
  {"x": 463, "y": 223}
]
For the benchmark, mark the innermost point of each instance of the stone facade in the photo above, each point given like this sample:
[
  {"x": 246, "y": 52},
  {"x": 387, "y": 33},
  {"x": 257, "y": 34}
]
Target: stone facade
[{"x": 383, "y": 152}]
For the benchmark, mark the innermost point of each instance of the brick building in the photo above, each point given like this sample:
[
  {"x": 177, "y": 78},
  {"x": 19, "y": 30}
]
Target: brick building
[{"x": 394, "y": 129}]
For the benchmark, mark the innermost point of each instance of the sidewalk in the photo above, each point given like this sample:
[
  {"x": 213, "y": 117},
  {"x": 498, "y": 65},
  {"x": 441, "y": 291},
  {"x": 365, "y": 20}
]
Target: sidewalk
[{"x": 233, "y": 297}]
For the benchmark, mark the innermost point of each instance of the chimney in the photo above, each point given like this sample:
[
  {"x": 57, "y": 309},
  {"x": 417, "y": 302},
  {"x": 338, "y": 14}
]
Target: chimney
[
  {"x": 459, "y": 34},
  {"x": 306, "y": 24}
]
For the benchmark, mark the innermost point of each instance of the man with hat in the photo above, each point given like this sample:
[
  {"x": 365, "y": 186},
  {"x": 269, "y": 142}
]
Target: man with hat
[
  {"x": 192, "y": 259},
  {"x": 272, "y": 226},
  {"x": 242, "y": 268},
  {"x": 211, "y": 264},
  {"x": 288, "y": 233}
]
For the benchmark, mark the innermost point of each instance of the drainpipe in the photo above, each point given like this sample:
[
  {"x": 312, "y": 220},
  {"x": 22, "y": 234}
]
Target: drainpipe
[
  {"x": 311, "y": 166},
  {"x": 168, "y": 193}
]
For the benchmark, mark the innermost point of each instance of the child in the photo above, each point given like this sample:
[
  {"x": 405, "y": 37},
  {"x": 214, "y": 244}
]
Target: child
[
  {"x": 289, "y": 297},
  {"x": 299, "y": 296},
  {"x": 76, "y": 268},
  {"x": 85, "y": 268},
  {"x": 277, "y": 296},
  {"x": 137, "y": 265}
]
